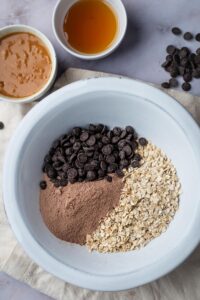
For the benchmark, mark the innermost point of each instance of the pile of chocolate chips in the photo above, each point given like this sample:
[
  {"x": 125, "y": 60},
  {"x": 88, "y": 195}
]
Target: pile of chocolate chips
[
  {"x": 87, "y": 154},
  {"x": 182, "y": 62}
]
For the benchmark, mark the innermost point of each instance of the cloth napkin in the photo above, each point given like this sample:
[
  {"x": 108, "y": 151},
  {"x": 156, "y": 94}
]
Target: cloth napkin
[{"x": 181, "y": 284}]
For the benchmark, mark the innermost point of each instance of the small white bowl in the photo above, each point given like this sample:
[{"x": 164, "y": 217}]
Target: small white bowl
[
  {"x": 24, "y": 28},
  {"x": 59, "y": 14},
  {"x": 116, "y": 102}
]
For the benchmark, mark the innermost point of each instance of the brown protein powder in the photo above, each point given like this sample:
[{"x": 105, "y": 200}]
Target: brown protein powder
[{"x": 73, "y": 211}]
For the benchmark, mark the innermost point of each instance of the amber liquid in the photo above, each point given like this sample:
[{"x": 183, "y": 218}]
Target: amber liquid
[{"x": 90, "y": 26}]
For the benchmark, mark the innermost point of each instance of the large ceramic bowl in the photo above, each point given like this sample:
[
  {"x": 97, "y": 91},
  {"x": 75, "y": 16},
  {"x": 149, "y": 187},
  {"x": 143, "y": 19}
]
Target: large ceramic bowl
[{"x": 113, "y": 101}]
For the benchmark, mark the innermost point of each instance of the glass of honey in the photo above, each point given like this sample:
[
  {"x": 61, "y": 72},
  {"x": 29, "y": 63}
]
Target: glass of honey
[{"x": 90, "y": 29}]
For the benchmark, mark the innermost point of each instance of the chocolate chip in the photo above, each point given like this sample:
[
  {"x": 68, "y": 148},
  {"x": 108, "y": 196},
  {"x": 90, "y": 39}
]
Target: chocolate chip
[
  {"x": 72, "y": 173},
  {"x": 107, "y": 149},
  {"x": 110, "y": 159},
  {"x": 103, "y": 165},
  {"x": 188, "y": 36},
  {"x": 76, "y": 146},
  {"x": 186, "y": 86},
  {"x": 92, "y": 128},
  {"x": 122, "y": 154},
  {"x": 91, "y": 175},
  {"x": 81, "y": 172},
  {"x": 115, "y": 139},
  {"x": 123, "y": 134},
  {"x": 124, "y": 163},
  {"x": 84, "y": 136},
  {"x": 101, "y": 173},
  {"x": 143, "y": 141},
  {"x": 187, "y": 77},
  {"x": 184, "y": 52},
  {"x": 171, "y": 49},
  {"x": 43, "y": 185},
  {"x": 137, "y": 157},
  {"x": 105, "y": 140},
  {"x": 76, "y": 131},
  {"x": 127, "y": 149},
  {"x": 165, "y": 85},
  {"x": 197, "y": 37},
  {"x": 130, "y": 129},
  {"x": 1, "y": 125},
  {"x": 198, "y": 51},
  {"x": 173, "y": 82},
  {"x": 63, "y": 182},
  {"x": 82, "y": 157},
  {"x": 91, "y": 141},
  {"x": 117, "y": 131},
  {"x": 89, "y": 167},
  {"x": 121, "y": 144},
  {"x": 109, "y": 178},
  {"x": 120, "y": 173},
  {"x": 51, "y": 173},
  {"x": 135, "y": 164},
  {"x": 176, "y": 30}
]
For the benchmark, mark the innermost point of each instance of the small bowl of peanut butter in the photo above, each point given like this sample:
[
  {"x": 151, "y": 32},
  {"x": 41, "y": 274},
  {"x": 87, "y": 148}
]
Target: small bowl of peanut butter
[{"x": 28, "y": 64}]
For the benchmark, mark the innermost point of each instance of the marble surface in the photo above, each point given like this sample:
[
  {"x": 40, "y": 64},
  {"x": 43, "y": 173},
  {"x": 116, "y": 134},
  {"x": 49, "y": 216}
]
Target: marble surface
[
  {"x": 143, "y": 49},
  {"x": 139, "y": 56}
]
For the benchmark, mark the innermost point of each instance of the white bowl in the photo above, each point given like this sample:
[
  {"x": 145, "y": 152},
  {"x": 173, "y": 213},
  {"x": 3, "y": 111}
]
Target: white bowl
[
  {"x": 24, "y": 28},
  {"x": 112, "y": 101},
  {"x": 58, "y": 20}
]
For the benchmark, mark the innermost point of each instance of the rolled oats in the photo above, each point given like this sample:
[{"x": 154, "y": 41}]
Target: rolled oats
[{"x": 148, "y": 203}]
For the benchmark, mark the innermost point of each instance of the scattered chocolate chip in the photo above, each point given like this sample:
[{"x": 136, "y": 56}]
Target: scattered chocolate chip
[
  {"x": 143, "y": 141},
  {"x": 197, "y": 37},
  {"x": 188, "y": 36},
  {"x": 187, "y": 77},
  {"x": 186, "y": 86},
  {"x": 176, "y": 31},
  {"x": 43, "y": 185},
  {"x": 1, "y": 125},
  {"x": 173, "y": 82},
  {"x": 165, "y": 85}
]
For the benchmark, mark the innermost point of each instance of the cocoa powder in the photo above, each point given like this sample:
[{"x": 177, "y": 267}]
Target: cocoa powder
[{"x": 75, "y": 210}]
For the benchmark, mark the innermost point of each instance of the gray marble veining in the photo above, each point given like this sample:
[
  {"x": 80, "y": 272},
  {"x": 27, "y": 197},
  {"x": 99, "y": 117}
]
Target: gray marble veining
[{"x": 143, "y": 49}]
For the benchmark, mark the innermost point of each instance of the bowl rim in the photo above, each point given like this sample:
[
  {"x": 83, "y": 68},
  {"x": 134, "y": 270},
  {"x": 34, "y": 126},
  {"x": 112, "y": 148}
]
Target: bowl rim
[
  {"x": 6, "y": 30},
  {"x": 34, "y": 249},
  {"x": 96, "y": 56}
]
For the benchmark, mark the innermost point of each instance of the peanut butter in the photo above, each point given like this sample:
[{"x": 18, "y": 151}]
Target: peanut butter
[{"x": 25, "y": 65}]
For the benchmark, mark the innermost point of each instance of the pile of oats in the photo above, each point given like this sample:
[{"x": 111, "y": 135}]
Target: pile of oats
[{"x": 148, "y": 203}]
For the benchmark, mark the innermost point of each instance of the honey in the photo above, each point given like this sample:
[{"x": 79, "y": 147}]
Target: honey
[{"x": 90, "y": 26}]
